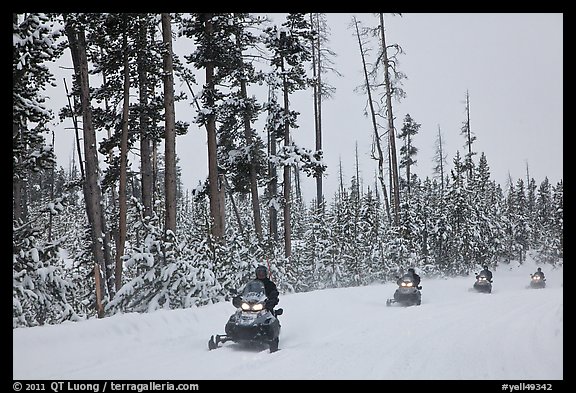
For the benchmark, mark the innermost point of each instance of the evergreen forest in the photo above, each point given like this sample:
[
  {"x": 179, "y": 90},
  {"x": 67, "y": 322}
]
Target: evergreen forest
[{"x": 100, "y": 237}]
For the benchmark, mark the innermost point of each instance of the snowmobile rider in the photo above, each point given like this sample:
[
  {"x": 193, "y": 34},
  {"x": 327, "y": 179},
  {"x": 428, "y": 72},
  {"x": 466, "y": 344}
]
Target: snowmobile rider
[
  {"x": 415, "y": 276},
  {"x": 412, "y": 273},
  {"x": 540, "y": 273},
  {"x": 486, "y": 273},
  {"x": 269, "y": 287}
]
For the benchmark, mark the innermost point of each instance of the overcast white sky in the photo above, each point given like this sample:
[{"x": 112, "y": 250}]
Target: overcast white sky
[
  {"x": 513, "y": 334},
  {"x": 510, "y": 63}
]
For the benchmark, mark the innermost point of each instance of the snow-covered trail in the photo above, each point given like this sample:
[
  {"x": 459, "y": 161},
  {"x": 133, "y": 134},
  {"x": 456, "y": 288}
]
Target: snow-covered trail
[{"x": 349, "y": 333}]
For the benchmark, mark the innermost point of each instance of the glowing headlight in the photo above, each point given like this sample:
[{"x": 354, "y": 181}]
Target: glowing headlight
[
  {"x": 536, "y": 278},
  {"x": 406, "y": 284},
  {"x": 253, "y": 307}
]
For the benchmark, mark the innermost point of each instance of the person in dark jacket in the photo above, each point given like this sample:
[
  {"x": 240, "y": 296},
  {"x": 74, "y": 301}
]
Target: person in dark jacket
[
  {"x": 540, "y": 273},
  {"x": 486, "y": 272},
  {"x": 269, "y": 286},
  {"x": 270, "y": 290},
  {"x": 415, "y": 276},
  {"x": 412, "y": 273}
]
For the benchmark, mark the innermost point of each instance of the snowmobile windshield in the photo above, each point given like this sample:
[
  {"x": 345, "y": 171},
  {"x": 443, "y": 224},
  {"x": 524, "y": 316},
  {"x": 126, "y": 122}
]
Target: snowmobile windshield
[
  {"x": 407, "y": 278},
  {"x": 254, "y": 288}
]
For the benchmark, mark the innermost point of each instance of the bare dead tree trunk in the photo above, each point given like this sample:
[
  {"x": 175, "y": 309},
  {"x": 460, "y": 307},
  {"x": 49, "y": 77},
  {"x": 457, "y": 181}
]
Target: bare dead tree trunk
[
  {"x": 391, "y": 133},
  {"x": 76, "y": 132},
  {"x": 341, "y": 180},
  {"x": 469, "y": 138},
  {"x": 441, "y": 158},
  {"x": 380, "y": 155},
  {"x": 317, "y": 92}
]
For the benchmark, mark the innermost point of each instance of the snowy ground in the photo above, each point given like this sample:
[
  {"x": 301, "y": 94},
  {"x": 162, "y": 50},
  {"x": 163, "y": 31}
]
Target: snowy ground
[{"x": 514, "y": 333}]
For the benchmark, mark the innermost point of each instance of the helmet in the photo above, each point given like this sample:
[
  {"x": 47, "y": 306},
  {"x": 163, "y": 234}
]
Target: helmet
[
  {"x": 261, "y": 272},
  {"x": 411, "y": 270},
  {"x": 485, "y": 267},
  {"x": 539, "y": 269}
]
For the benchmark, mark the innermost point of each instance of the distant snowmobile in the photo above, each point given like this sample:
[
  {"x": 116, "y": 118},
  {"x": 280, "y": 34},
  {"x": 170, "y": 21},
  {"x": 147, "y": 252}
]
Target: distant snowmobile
[
  {"x": 536, "y": 281},
  {"x": 252, "y": 323},
  {"x": 483, "y": 284},
  {"x": 407, "y": 294}
]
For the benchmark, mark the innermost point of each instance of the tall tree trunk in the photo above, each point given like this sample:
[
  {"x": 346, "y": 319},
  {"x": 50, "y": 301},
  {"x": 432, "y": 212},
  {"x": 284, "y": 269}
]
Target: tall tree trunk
[
  {"x": 358, "y": 188},
  {"x": 51, "y": 185},
  {"x": 170, "y": 131},
  {"x": 112, "y": 197},
  {"x": 123, "y": 169},
  {"x": 380, "y": 154},
  {"x": 407, "y": 145},
  {"x": 317, "y": 76},
  {"x": 440, "y": 159},
  {"x": 76, "y": 130},
  {"x": 391, "y": 133},
  {"x": 145, "y": 141},
  {"x": 103, "y": 272},
  {"x": 213, "y": 183},
  {"x": 272, "y": 185},
  {"x": 469, "y": 138},
  {"x": 287, "y": 180},
  {"x": 340, "y": 182},
  {"x": 297, "y": 187},
  {"x": 17, "y": 199},
  {"x": 252, "y": 170}
]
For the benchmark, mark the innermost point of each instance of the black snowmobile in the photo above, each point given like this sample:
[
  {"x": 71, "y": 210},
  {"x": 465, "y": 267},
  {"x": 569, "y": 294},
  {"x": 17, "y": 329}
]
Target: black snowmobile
[
  {"x": 252, "y": 323},
  {"x": 536, "y": 281},
  {"x": 483, "y": 284},
  {"x": 407, "y": 294}
]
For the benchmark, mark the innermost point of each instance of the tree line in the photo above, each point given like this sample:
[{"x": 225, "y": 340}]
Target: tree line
[{"x": 97, "y": 239}]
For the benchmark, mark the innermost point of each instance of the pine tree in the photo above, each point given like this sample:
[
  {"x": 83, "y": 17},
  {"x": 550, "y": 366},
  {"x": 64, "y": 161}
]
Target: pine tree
[{"x": 408, "y": 151}]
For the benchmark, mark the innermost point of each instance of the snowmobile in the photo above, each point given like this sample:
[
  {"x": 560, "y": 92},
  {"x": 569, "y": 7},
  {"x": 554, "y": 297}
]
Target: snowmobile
[
  {"x": 536, "y": 281},
  {"x": 483, "y": 284},
  {"x": 407, "y": 294},
  {"x": 252, "y": 324}
]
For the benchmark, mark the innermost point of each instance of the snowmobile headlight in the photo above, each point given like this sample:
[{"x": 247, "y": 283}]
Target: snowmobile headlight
[
  {"x": 406, "y": 284},
  {"x": 252, "y": 307}
]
